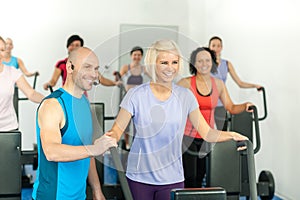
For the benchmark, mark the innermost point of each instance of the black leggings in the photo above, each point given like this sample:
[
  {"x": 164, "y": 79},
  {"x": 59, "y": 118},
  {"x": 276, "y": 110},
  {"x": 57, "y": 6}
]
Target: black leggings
[{"x": 194, "y": 167}]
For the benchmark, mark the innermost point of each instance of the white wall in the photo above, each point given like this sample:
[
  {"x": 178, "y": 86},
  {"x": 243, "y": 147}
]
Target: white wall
[
  {"x": 260, "y": 39},
  {"x": 40, "y": 29}
]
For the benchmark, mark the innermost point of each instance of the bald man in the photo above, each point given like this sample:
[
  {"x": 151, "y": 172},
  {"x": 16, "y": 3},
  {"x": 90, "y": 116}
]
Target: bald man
[{"x": 64, "y": 135}]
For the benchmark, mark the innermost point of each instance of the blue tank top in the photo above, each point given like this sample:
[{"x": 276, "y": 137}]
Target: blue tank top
[
  {"x": 221, "y": 73},
  {"x": 12, "y": 63},
  {"x": 66, "y": 180}
]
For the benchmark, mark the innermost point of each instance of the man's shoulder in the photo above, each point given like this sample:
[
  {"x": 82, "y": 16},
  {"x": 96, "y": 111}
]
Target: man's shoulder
[
  {"x": 52, "y": 99},
  {"x": 56, "y": 94},
  {"x": 49, "y": 106}
]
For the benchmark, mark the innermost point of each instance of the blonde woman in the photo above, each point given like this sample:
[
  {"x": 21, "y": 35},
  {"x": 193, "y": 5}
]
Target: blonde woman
[{"x": 159, "y": 110}]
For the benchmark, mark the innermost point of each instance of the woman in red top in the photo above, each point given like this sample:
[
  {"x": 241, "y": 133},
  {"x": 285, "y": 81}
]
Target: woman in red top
[{"x": 207, "y": 91}]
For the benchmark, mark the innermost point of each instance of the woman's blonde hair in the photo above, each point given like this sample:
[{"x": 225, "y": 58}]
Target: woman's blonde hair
[
  {"x": 2, "y": 39},
  {"x": 155, "y": 49}
]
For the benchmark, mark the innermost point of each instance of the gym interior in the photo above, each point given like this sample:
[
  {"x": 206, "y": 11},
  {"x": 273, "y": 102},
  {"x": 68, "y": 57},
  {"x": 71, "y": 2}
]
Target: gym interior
[{"x": 260, "y": 38}]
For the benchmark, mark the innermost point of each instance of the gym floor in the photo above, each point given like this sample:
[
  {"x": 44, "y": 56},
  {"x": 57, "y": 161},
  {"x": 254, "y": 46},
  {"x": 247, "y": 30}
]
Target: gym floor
[
  {"x": 26, "y": 195},
  {"x": 26, "y": 192}
]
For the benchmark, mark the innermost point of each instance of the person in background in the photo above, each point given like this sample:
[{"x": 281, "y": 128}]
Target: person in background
[
  {"x": 13, "y": 61},
  {"x": 225, "y": 67},
  {"x": 159, "y": 110},
  {"x": 132, "y": 75},
  {"x": 207, "y": 91},
  {"x": 73, "y": 42},
  {"x": 17, "y": 63},
  {"x": 9, "y": 77},
  {"x": 64, "y": 135}
]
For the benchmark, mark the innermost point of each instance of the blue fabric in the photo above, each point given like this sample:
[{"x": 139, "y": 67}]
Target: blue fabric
[
  {"x": 12, "y": 63},
  {"x": 222, "y": 72},
  {"x": 66, "y": 180},
  {"x": 155, "y": 156}
]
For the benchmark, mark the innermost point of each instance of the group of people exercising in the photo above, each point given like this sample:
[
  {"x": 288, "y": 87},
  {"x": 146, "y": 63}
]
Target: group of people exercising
[{"x": 164, "y": 115}]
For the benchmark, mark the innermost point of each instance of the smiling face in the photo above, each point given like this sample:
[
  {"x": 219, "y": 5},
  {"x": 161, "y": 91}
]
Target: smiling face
[
  {"x": 203, "y": 63},
  {"x": 85, "y": 71},
  {"x": 9, "y": 45},
  {"x": 136, "y": 57},
  {"x": 216, "y": 45},
  {"x": 167, "y": 66}
]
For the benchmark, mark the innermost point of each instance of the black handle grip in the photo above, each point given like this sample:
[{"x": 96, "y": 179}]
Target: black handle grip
[
  {"x": 241, "y": 144},
  {"x": 34, "y": 81},
  {"x": 265, "y": 103},
  {"x": 259, "y": 89},
  {"x": 257, "y": 131},
  {"x": 117, "y": 75},
  {"x": 251, "y": 167},
  {"x": 50, "y": 88},
  {"x": 251, "y": 108},
  {"x": 122, "y": 177}
]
